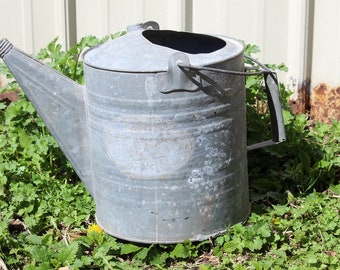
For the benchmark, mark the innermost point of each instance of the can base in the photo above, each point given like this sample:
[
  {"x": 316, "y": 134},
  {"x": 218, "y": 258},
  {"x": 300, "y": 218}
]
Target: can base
[{"x": 166, "y": 240}]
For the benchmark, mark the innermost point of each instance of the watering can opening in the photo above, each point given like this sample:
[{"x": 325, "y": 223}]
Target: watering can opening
[{"x": 184, "y": 41}]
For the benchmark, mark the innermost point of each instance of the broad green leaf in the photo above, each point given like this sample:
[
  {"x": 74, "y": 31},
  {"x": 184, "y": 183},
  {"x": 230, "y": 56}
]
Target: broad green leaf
[
  {"x": 231, "y": 246},
  {"x": 159, "y": 258},
  {"x": 68, "y": 254},
  {"x": 180, "y": 251},
  {"x": 129, "y": 248},
  {"x": 254, "y": 244},
  {"x": 40, "y": 253},
  {"x": 34, "y": 239}
]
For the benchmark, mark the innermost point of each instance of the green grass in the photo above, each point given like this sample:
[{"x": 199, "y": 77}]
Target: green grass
[{"x": 46, "y": 215}]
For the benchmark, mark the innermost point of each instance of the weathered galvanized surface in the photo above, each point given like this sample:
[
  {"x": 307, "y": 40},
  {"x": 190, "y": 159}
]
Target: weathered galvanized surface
[
  {"x": 172, "y": 166},
  {"x": 167, "y": 167},
  {"x": 162, "y": 152},
  {"x": 59, "y": 101}
]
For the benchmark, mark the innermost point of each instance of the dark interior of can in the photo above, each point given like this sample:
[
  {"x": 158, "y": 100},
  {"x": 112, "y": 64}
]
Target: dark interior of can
[{"x": 184, "y": 41}]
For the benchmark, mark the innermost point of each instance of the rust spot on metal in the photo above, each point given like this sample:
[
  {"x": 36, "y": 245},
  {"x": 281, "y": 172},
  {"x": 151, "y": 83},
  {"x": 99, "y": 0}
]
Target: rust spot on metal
[
  {"x": 338, "y": 90},
  {"x": 301, "y": 104},
  {"x": 325, "y": 103}
]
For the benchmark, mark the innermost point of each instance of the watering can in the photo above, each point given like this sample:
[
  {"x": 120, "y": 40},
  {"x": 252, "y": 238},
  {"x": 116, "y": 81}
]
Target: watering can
[{"x": 158, "y": 132}]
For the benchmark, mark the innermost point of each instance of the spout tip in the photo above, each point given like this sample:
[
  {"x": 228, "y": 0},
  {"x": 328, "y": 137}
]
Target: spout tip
[{"x": 5, "y": 47}]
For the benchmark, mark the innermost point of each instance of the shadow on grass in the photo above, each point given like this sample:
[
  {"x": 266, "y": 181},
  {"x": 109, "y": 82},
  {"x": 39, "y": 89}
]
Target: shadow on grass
[{"x": 309, "y": 160}]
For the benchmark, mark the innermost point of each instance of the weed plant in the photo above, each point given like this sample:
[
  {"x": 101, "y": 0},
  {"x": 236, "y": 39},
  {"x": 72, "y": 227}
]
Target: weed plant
[{"x": 47, "y": 216}]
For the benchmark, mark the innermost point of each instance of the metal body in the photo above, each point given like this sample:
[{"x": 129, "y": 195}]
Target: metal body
[
  {"x": 161, "y": 149},
  {"x": 167, "y": 167}
]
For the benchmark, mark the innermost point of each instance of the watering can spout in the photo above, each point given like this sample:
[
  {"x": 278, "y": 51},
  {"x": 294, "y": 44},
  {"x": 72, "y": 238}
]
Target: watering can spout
[{"x": 59, "y": 101}]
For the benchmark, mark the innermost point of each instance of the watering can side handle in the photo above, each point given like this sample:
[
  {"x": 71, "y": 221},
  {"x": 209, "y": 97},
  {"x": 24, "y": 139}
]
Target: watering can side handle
[
  {"x": 275, "y": 109},
  {"x": 271, "y": 89},
  {"x": 276, "y": 117}
]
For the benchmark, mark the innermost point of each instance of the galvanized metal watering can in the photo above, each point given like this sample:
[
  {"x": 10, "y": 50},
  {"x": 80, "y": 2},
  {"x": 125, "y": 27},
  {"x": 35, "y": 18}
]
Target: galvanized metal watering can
[{"x": 158, "y": 133}]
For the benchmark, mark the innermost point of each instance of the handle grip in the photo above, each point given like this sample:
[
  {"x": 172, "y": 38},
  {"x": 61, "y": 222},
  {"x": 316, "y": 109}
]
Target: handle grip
[{"x": 275, "y": 109}]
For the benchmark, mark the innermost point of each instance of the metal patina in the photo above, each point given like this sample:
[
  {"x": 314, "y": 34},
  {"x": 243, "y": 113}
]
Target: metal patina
[{"x": 158, "y": 132}]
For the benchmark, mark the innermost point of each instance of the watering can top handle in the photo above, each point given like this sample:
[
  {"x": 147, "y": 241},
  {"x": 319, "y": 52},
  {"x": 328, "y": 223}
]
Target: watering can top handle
[
  {"x": 149, "y": 25},
  {"x": 271, "y": 89}
]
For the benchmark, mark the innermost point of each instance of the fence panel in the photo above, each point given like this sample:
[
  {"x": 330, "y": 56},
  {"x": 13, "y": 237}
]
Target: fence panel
[
  {"x": 326, "y": 58},
  {"x": 278, "y": 28},
  {"x": 325, "y": 97},
  {"x": 31, "y": 24},
  {"x": 102, "y": 17}
]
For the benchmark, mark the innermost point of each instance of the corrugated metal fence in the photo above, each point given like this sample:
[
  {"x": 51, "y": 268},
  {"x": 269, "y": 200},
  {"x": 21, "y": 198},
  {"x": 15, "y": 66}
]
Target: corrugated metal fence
[{"x": 303, "y": 34}]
